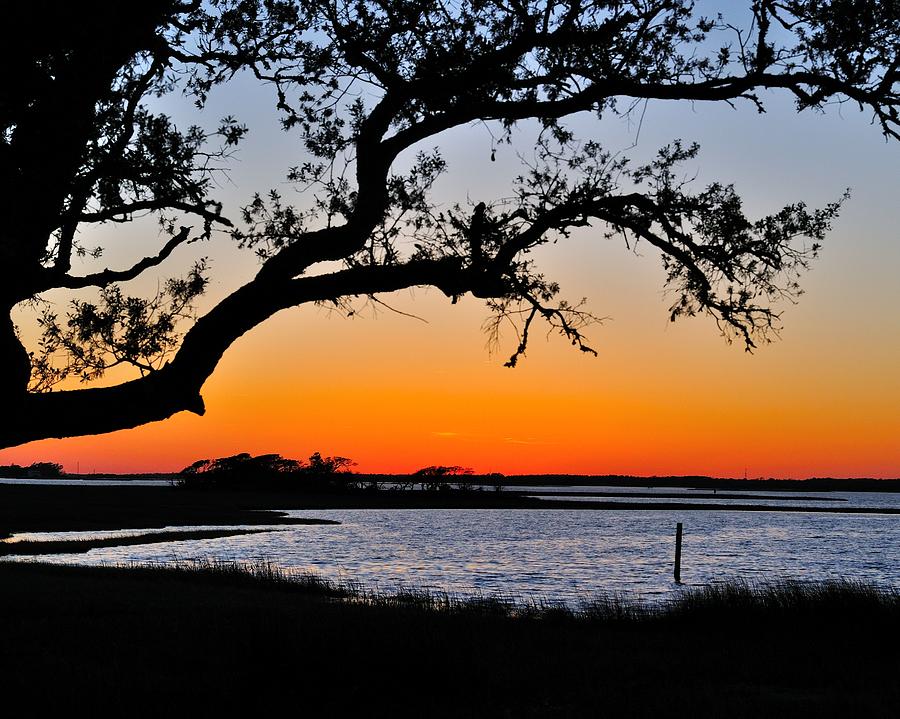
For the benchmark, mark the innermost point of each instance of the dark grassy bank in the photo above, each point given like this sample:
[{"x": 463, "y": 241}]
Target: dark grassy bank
[
  {"x": 78, "y": 546},
  {"x": 685, "y": 495},
  {"x": 147, "y": 641},
  {"x": 41, "y": 508},
  {"x": 813, "y": 484}
]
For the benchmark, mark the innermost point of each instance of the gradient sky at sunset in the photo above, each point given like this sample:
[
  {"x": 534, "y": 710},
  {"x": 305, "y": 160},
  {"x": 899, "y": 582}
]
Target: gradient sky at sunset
[{"x": 396, "y": 393}]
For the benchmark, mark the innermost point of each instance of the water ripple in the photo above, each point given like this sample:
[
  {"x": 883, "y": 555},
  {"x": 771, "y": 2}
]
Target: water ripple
[{"x": 550, "y": 555}]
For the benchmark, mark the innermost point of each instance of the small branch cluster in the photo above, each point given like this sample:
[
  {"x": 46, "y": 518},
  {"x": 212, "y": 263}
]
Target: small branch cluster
[{"x": 117, "y": 330}]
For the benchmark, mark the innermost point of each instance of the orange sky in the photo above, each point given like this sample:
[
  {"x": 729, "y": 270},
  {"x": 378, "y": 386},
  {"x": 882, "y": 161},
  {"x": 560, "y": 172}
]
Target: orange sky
[{"x": 395, "y": 393}]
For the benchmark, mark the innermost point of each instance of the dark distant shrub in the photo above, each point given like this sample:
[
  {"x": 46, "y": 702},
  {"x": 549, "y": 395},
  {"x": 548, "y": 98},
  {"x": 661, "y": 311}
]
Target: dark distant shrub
[
  {"x": 37, "y": 470},
  {"x": 495, "y": 479},
  {"x": 45, "y": 470},
  {"x": 270, "y": 471}
]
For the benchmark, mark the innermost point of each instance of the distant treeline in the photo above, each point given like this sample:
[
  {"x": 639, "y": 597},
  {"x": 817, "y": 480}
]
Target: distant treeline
[
  {"x": 335, "y": 473},
  {"x": 319, "y": 474},
  {"x": 36, "y": 470}
]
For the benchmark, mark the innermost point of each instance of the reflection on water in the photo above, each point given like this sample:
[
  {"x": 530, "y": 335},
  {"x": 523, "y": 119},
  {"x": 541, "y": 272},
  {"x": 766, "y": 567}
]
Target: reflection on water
[{"x": 553, "y": 555}]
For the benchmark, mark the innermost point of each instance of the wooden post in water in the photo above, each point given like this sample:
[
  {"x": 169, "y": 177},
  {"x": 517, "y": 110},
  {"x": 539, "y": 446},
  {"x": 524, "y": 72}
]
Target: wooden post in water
[{"x": 678, "y": 553}]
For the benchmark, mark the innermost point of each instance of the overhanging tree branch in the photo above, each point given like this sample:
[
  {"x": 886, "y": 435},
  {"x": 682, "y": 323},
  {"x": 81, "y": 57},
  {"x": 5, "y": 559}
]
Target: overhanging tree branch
[
  {"x": 364, "y": 85},
  {"x": 176, "y": 387},
  {"x": 108, "y": 277}
]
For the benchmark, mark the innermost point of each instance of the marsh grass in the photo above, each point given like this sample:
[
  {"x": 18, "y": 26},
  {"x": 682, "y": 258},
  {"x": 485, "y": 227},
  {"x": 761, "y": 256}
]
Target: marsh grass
[
  {"x": 785, "y": 598},
  {"x": 737, "y": 597}
]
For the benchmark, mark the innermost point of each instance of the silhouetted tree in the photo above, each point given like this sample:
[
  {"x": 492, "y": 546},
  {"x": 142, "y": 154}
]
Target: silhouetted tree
[
  {"x": 364, "y": 83},
  {"x": 334, "y": 471},
  {"x": 495, "y": 479},
  {"x": 438, "y": 477},
  {"x": 318, "y": 464}
]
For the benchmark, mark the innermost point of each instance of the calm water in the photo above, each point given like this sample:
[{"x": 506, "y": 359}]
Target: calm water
[{"x": 563, "y": 555}]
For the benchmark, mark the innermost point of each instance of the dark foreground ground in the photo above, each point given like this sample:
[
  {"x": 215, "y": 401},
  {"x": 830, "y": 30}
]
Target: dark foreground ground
[{"x": 152, "y": 642}]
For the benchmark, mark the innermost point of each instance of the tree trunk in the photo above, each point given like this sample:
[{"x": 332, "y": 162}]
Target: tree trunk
[{"x": 15, "y": 367}]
